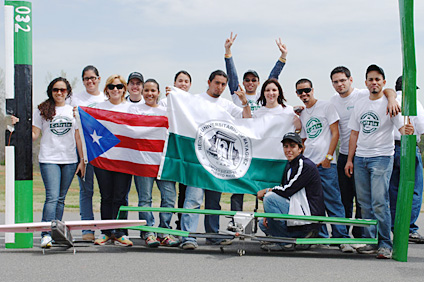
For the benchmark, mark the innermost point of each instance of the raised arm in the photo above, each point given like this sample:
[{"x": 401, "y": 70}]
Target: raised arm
[
  {"x": 279, "y": 65},
  {"x": 233, "y": 81},
  {"x": 241, "y": 95}
]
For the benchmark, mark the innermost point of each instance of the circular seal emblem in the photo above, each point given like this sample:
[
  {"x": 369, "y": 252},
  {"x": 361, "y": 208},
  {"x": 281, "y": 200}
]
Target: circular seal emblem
[
  {"x": 313, "y": 127},
  {"x": 223, "y": 150},
  {"x": 370, "y": 122},
  {"x": 60, "y": 125}
]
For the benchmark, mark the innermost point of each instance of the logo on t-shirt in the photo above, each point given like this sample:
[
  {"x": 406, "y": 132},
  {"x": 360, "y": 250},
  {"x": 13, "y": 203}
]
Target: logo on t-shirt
[
  {"x": 370, "y": 122},
  {"x": 254, "y": 106},
  {"x": 60, "y": 125},
  {"x": 313, "y": 127}
]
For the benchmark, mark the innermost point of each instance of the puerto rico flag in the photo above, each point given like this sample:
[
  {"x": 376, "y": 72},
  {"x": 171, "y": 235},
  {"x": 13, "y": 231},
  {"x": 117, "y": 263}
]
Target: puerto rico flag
[{"x": 123, "y": 142}]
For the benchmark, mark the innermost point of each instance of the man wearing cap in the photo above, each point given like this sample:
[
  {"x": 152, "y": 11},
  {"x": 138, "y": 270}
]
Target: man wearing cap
[
  {"x": 417, "y": 199},
  {"x": 344, "y": 100},
  {"x": 135, "y": 87},
  {"x": 300, "y": 172},
  {"x": 320, "y": 133},
  {"x": 370, "y": 159},
  {"x": 250, "y": 83}
]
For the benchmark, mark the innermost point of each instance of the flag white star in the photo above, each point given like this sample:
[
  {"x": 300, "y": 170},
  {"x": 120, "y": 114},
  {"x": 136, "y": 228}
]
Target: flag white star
[{"x": 96, "y": 137}]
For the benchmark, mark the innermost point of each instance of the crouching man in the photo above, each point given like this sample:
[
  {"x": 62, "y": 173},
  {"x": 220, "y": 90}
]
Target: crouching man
[{"x": 299, "y": 173}]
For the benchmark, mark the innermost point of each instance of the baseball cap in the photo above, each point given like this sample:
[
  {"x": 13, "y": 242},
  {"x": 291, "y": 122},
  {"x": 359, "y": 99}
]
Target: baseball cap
[
  {"x": 250, "y": 72},
  {"x": 398, "y": 85},
  {"x": 292, "y": 136},
  {"x": 136, "y": 75},
  {"x": 375, "y": 68}
]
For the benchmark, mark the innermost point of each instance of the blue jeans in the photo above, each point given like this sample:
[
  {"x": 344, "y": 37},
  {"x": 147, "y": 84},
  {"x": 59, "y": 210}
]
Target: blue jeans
[
  {"x": 372, "y": 177},
  {"x": 332, "y": 201},
  {"x": 168, "y": 194},
  {"x": 348, "y": 193},
  {"x": 86, "y": 196},
  {"x": 417, "y": 198},
  {"x": 274, "y": 203},
  {"x": 57, "y": 178},
  {"x": 237, "y": 202},
  {"x": 194, "y": 199}
]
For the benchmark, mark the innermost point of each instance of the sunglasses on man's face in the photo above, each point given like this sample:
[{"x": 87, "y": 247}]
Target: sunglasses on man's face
[
  {"x": 112, "y": 86},
  {"x": 250, "y": 80},
  {"x": 306, "y": 90}
]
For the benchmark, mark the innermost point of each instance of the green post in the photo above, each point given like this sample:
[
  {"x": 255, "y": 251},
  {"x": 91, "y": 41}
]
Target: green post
[
  {"x": 21, "y": 106},
  {"x": 408, "y": 143}
]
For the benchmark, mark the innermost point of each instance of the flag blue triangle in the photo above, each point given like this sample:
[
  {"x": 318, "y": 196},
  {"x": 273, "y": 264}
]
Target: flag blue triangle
[{"x": 98, "y": 139}]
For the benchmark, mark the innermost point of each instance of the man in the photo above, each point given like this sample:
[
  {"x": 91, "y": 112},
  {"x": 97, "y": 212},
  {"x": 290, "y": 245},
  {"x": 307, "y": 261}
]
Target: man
[
  {"x": 370, "y": 158},
  {"x": 194, "y": 196},
  {"x": 320, "y": 133},
  {"x": 344, "y": 101},
  {"x": 250, "y": 83},
  {"x": 417, "y": 199},
  {"x": 135, "y": 87},
  {"x": 299, "y": 173}
]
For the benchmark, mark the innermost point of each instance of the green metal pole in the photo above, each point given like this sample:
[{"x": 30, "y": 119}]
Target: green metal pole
[
  {"x": 21, "y": 106},
  {"x": 408, "y": 143}
]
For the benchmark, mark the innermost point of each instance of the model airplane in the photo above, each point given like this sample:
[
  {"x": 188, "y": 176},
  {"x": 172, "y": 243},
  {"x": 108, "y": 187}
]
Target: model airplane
[
  {"x": 243, "y": 226},
  {"x": 61, "y": 230}
]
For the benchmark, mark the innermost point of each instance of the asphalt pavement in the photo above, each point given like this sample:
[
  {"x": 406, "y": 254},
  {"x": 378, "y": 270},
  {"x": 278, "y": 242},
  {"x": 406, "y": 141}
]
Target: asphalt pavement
[{"x": 206, "y": 263}]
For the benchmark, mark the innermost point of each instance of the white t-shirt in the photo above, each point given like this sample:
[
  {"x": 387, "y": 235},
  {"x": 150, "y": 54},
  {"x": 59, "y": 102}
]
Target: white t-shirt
[
  {"x": 344, "y": 107},
  {"x": 251, "y": 99},
  {"x": 143, "y": 109},
  {"x": 107, "y": 105},
  {"x": 85, "y": 99},
  {"x": 375, "y": 127},
  {"x": 57, "y": 143},
  {"x": 226, "y": 104},
  {"x": 416, "y": 121},
  {"x": 316, "y": 123},
  {"x": 164, "y": 102},
  {"x": 287, "y": 114}
]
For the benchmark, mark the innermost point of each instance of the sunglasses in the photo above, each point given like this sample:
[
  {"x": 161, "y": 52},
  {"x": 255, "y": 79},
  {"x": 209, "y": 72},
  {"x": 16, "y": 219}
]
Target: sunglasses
[
  {"x": 112, "y": 86},
  {"x": 306, "y": 90},
  {"x": 250, "y": 80},
  {"x": 63, "y": 90},
  {"x": 93, "y": 78}
]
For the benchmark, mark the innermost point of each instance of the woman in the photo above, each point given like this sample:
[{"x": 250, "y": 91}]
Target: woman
[
  {"x": 89, "y": 97},
  {"x": 144, "y": 185},
  {"x": 58, "y": 150},
  {"x": 272, "y": 102},
  {"x": 114, "y": 186}
]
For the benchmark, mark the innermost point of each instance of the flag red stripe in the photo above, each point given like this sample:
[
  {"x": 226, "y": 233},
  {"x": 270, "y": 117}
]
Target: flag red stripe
[
  {"x": 126, "y": 167},
  {"x": 140, "y": 144},
  {"x": 127, "y": 119}
]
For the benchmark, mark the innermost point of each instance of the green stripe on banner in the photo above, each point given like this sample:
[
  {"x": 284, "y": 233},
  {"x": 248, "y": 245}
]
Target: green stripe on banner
[{"x": 181, "y": 165}]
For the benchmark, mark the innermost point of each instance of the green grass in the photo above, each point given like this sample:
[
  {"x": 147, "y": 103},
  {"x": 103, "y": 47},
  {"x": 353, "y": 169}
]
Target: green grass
[{"x": 72, "y": 198}]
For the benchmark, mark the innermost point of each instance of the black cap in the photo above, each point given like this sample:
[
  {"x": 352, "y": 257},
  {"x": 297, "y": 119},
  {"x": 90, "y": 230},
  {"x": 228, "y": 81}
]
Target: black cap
[
  {"x": 250, "y": 72},
  {"x": 136, "y": 75},
  {"x": 398, "y": 85},
  {"x": 375, "y": 68},
  {"x": 293, "y": 136}
]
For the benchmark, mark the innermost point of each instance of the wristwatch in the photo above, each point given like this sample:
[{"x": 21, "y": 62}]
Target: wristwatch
[{"x": 329, "y": 157}]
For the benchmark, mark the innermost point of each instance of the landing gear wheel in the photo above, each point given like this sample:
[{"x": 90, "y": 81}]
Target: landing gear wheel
[
  {"x": 222, "y": 249},
  {"x": 241, "y": 252}
]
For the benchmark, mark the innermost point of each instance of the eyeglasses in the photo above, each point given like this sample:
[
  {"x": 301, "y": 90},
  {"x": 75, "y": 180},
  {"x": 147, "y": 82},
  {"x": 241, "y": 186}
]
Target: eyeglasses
[
  {"x": 112, "y": 86},
  {"x": 250, "y": 80},
  {"x": 93, "y": 78},
  {"x": 63, "y": 90},
  {"x": 306, "y": 90}
]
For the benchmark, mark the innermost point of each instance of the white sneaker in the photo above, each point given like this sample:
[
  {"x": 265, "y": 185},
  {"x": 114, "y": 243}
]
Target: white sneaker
[
  {"x": 46, "y": 242},
  {"x": 346, "y": 248}
]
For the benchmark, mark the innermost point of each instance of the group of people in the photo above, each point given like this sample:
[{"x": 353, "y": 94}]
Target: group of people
[{"x": 364, "y": 121}]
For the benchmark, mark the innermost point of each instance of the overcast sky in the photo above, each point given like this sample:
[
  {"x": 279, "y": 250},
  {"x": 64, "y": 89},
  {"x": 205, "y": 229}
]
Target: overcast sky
[{"x": 160, "y": 37}]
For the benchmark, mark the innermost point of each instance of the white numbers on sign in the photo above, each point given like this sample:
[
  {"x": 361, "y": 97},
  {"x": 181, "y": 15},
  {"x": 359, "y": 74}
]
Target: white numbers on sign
[{"x": 22, "y": 19}]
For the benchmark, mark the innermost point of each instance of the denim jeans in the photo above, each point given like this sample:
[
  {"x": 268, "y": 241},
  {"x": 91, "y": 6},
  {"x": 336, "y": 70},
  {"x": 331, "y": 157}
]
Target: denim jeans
[
  {"x": 332, "y": 201},
  {"x": 274, "y": 203},
  {"x": 372, "y": 177},
  {"x": 86, "y": 196},
  {"x": 194, "y": 199},
  {"x": 237, "y": 202},
  {"x": 57, "y": 178},
  {"x": 114, "y": 188},
  {"x": 348, "y": 193},
  {"x": 417, "y": 198},
  {"x": 180, "y": 202},
  {"x": 144, "y": 186}
]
